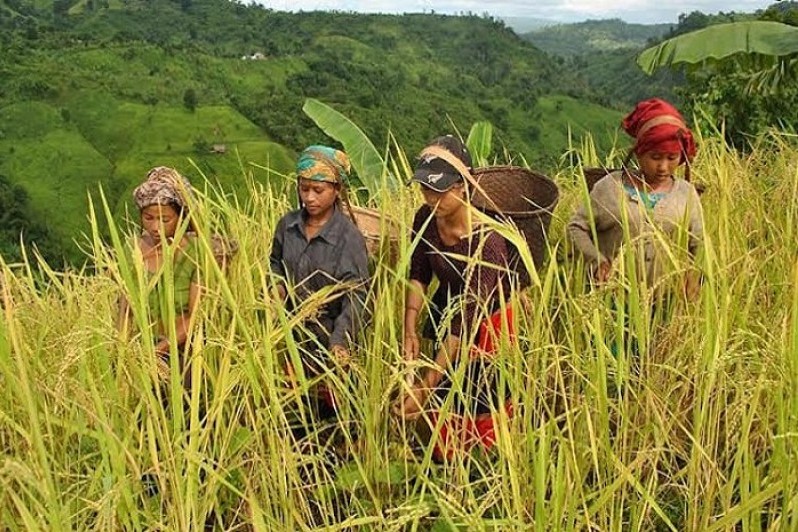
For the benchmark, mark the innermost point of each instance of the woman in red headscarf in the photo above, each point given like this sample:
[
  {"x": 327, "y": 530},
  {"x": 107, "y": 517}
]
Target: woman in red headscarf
[{"x": 650, "y": 202}]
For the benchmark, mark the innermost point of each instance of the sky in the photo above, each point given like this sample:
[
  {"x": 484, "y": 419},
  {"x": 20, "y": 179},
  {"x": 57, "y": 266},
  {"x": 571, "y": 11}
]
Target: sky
[{"x": 641, "y": 11}]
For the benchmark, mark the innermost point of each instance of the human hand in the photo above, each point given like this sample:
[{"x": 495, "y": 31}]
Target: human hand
[
  {"x": 411, "y": 346},
  {"x": 162, "y": 348},
  {"x": 412, "y": 403},
  {"x": 603, "y": 271},
  {"x": 692, "y": 286},
  {"x": 341, "y": 355}
]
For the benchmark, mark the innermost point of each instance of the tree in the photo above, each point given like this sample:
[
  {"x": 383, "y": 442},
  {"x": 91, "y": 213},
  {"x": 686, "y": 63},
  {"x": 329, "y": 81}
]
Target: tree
[{"x": 190, "y": 99}]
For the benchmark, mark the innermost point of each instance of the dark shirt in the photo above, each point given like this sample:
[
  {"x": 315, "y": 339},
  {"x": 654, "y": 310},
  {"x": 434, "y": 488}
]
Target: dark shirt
[
  {"x": 336, "y": 255},
  {"x": 479, "y": 285}
]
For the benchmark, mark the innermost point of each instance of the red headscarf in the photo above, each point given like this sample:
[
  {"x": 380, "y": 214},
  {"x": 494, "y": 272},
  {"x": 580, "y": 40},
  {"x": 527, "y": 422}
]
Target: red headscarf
[{"x": 657, "y": 125}]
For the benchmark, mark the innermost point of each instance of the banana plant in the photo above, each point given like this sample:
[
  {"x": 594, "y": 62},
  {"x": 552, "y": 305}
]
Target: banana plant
[
  {"x": 366, "y": 160},
  {"x": 768, "y": 49},
  {"x": 480, "y": 143}
]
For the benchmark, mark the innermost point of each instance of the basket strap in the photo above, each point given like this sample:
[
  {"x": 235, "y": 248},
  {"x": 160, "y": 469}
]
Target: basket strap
[
  {"x": 348, "y": 205},
  {"x": 457, "y": 164}
]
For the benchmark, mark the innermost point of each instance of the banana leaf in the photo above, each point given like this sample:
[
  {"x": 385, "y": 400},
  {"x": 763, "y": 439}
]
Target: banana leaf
[
  {"x": 480, "y": 143},
  {"x": 366, "y": 160},
  {"x": 721, "y": 41}
]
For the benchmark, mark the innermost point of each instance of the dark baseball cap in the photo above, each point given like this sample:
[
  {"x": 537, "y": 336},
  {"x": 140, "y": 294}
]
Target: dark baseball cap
[{"x": 437, "y": 174}]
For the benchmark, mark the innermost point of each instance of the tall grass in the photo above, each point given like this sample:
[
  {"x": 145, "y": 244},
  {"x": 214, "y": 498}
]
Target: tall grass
[{"x": 625, "y": 421}]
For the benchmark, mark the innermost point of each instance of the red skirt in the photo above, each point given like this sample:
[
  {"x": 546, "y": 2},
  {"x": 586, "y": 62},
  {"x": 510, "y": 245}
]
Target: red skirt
[{"x": 459, "y": 433}]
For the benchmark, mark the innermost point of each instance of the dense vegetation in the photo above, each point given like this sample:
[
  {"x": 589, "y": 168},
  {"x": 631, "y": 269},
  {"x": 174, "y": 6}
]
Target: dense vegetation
[
  {"x": 691, "y": 425},
  {"x": 694, "y": 430},
  {"x": 591, "y": 36},
  {"x": 738, "y": 96},
  {"x": 97, "y": 92},
  {"x": 719, "y": 96}
]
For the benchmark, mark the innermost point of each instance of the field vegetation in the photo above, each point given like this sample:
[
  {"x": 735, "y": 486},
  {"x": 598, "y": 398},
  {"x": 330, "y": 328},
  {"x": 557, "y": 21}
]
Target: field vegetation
[
  {"x": 625, "y": 420},
  {"x": 102, "y": 91}
]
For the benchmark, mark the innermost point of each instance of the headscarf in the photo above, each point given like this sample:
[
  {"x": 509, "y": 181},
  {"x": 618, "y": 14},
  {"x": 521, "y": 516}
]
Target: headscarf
[
  {"x": 657, "y": 125},
  {"x": 163, "y": 186},
  {"x": 325, "y": 164}
]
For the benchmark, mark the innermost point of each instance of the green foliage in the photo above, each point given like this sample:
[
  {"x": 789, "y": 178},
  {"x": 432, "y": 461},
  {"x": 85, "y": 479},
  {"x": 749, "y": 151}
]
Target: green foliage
[
  {"x": 592, "y": 36},
  {"x": 721, "y": 41},
  {"x": 741, "y": 75},
  {"x": 602, "y": 53},
  {"x": 365, "y": 158},
  {"x": 122, "y": 80},
  {"x": 693, "y": 430},
  {"x": 190, "y": 99},
  {"x": 18, "y": 225},
  {"x": 480, "y": 143}
]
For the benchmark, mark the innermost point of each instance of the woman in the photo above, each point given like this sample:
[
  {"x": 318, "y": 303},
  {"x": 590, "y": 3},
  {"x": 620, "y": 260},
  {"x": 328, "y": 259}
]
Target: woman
[
  {"x": 650, "y": 201},
  {"x": 470, "y": 264},
  {"x": 162, "y": 200},
  {"x": 317, "y": 247}
]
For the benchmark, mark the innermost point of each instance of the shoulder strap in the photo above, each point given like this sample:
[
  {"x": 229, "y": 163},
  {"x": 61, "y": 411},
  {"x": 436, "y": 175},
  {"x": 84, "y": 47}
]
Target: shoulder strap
[{"x": 457, "y": 164}]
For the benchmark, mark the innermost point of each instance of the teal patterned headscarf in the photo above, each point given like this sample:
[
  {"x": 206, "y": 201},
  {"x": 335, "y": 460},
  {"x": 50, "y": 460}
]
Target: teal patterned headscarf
[{"x": 325, "y": 164}]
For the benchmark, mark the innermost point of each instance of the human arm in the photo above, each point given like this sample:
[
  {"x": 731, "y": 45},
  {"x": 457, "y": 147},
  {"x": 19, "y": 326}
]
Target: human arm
[
  {"x": 276, "y": 258},
  {"x": 588, "y": 220},
  {"x": 419, "y": 279},
  {"x": 692, "y": 280},
  {"x": 414, "y": 299},
  {"x": 413, "y": 402},
  {"x": 182, "y": 323},
  {"x": 352, "y": 272},
  {"x": 123, "y": 315}
]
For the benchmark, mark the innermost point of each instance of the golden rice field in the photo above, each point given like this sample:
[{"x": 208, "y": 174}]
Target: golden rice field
[{"x": 694, "y": 429}]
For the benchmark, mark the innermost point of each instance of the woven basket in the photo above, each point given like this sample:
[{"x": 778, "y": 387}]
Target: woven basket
[
  {"x": 525, "y": 197},
  {"x": 381, "y": 233},
  {"x": 594, "y": 175}
]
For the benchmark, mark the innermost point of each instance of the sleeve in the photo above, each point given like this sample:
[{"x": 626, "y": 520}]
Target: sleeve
[
  {"x": 598, "y": 216},
  {"x": 276, "y": 256},
  {"x": 420, "y": 266},
  {"x": 483, "y": 284},
  {"x": 353, "y": 270},
  {"x": 695, "y": 223},
  {"x": 194, "y": 258}
]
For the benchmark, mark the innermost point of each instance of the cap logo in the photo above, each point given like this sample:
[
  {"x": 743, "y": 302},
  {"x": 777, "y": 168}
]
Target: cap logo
[{"x": 434, "y": 178}]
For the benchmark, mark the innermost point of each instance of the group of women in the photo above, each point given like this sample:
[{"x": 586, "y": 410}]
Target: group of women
[{"x": 317, "y": 247}]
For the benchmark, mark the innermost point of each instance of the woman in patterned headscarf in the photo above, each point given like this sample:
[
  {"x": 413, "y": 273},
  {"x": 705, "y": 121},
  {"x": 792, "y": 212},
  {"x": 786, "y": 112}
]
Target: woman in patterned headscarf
[
  {"x": 650, "y": 201},
  {"x": 167, "y": 233},
  {"x": 317, "y": 247}
]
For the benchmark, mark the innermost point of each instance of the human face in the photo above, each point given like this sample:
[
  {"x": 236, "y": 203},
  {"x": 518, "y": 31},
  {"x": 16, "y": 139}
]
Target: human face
[
  {"x": 446, "y": 203},
  {"x": 658, "y": 165},
  {"x": 160, "y": 221},
  {"x": 317, "y": 196}
]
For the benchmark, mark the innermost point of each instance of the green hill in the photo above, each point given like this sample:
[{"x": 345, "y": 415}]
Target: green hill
[
  {"x": 97, "y": 92},
  {"x": 595, "y": 36}
]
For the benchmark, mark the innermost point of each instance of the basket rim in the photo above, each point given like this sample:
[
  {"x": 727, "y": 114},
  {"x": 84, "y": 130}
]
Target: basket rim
[{"x": 538, "y": 209}]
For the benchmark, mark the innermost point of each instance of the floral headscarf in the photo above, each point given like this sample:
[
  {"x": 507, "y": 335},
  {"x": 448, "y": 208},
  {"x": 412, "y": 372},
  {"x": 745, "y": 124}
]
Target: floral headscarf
[
  {"x": 163, "y": 186},
  {"x": 325, "y": 164}
]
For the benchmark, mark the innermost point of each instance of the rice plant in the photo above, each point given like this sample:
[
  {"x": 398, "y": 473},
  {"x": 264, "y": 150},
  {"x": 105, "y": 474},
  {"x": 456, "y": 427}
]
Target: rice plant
[{"x": 685, "y": 419}]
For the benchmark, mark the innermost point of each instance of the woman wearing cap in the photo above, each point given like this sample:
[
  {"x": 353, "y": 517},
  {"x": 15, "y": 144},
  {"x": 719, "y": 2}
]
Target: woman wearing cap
[
  {"x": 447, "y": 238},
  {"x": 318, "y": 247},
  {"x": 650, "y": 199},
  {"x": 162, "y": 200}
]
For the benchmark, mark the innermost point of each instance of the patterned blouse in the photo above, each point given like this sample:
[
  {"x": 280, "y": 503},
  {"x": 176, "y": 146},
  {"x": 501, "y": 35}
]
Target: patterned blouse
[{"x": 477, "y": 284}]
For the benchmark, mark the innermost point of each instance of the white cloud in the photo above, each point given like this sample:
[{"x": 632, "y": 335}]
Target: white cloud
[{"x": 567, "y": 10}]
